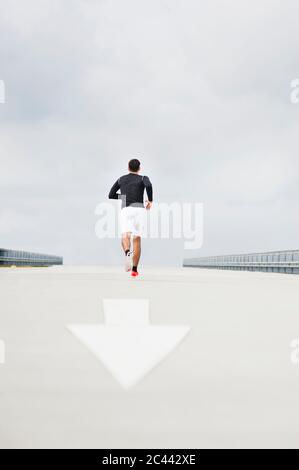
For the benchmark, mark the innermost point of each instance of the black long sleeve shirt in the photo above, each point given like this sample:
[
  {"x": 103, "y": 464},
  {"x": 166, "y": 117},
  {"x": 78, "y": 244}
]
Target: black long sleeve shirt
[{"x": 132, "y": 188}]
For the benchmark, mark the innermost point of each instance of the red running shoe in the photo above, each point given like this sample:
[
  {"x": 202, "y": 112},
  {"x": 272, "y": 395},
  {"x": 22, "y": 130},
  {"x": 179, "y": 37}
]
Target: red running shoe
[{"x": 134, "y": 273}]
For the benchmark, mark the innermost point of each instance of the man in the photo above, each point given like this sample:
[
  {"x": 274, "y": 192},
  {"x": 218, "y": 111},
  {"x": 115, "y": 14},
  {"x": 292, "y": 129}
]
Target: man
[{"x": 132, "y": 188}]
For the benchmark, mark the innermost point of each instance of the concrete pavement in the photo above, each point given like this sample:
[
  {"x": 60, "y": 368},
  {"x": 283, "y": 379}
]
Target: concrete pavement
[{"x": 230, "y": 383}]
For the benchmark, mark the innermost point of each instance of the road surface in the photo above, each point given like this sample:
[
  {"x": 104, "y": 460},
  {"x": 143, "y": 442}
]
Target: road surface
[{"x": 229, "y": 383}]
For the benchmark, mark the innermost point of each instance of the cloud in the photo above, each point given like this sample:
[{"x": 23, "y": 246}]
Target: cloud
[{"x": 201, "y": 92}]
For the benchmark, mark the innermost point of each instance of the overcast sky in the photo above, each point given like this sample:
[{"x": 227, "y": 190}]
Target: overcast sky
[{"x": 199, "y": 90}]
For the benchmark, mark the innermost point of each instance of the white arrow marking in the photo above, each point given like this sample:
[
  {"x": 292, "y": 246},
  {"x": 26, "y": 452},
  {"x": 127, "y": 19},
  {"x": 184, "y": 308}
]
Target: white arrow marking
[
  {"x": 127, "y": 344},
  {"x": 2, "y": 352}
]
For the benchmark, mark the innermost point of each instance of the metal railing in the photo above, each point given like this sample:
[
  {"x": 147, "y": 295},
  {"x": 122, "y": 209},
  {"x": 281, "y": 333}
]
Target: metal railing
[
  {"x": 272, "y": 261},
  {"x": 26, "y": 258}
]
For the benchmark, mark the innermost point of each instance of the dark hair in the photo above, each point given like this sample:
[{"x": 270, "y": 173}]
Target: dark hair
[{"x": 134, "y": 164}]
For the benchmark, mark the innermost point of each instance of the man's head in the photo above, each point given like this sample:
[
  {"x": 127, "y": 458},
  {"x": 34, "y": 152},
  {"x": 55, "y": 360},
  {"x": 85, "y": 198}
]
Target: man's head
[{"x": 134, "y": 165}]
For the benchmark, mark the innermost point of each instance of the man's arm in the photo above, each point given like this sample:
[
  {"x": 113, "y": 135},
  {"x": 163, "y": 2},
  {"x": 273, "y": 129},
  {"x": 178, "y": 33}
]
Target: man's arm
[
  {"x": 113, "y": 191},
  {"x": 149, "y": 188},
  {"x": 149, "y": 191}
]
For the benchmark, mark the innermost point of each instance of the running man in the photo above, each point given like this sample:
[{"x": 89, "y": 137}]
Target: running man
[{"x": 132, "y": 188}]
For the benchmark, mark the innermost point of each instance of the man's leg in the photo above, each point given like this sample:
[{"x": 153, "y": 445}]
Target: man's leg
[
  {"x": 126, "y": 244},
  {"x": 126, "y": 241},
  {"x": 136, "y": 250}
]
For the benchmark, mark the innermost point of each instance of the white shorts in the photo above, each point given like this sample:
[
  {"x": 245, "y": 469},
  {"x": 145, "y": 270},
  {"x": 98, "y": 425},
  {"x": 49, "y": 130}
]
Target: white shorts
[{"x": 132, "y": 220}]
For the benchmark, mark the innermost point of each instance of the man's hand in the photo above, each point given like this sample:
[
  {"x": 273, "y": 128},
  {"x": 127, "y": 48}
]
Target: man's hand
[{"x": 148, "y": 205}]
